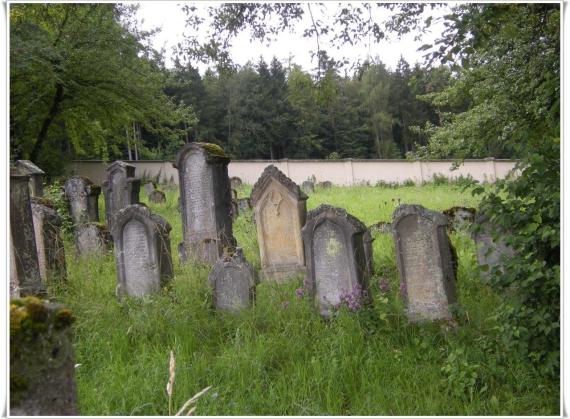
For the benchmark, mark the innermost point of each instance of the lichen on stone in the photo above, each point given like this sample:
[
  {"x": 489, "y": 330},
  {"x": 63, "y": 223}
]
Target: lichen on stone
[{"x": 212, "y": 148}]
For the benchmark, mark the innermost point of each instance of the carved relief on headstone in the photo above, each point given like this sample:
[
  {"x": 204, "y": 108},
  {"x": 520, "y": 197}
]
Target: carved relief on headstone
[
  {"x": 92, "y": 239},
  {"x": 491, "y": 246},
  {"x": 42, "y": 365},
  {"x": 426, "y": 261},
  {"x": 47, "y": 226},
  {"x": 83, "y": 198},
  {"x": 121, "y": 189},
  {"x": 335, "y": 255},
  {"x": 206, "y": 202},
  {"x": 36, "y": 174},
  {"x": 142, "y": 251},
  {"x": 233, "y": 282},
  {"x": 23, "y": 236},
  {"x": 280, "y": 211}
]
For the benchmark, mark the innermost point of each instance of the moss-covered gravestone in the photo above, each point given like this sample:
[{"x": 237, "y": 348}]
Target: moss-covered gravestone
[
  {"x": 206, "y": 202},
  {"x": 280, "y": 212},
  {"x": 142, "y": 251},
  {"x": 25, "y": 275},
  {"x": 336, "y": 257},
  {"x": 120, "y": 189},
  {"x": 426, "y": 262},
  {"x": 83, "y": 198},
  {"x": 47, "y": 226},
  {"x": 42, "y": 365}
]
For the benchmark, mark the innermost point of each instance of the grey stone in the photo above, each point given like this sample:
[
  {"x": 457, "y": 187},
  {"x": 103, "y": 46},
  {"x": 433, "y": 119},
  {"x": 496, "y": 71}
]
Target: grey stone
[
  {"x": 308, "y": 186},
  {"x": 460, "y": 217},
  {"x": 36, "y": 174},
  {"x": 243, "y": 204},
  {"x": 42, "y": 362},
  {"x": 14, "y": 280},
  {"x": 491, "y": 247},
  {"x": 324, "y": 185},
  {"x": 335, "y": 255},
  {"x": 120, "y": 189},
  {"x": 26, "y": 268},
  {"x": 83, "y": 198},
  {"x": 235, "y": 182},
  {"x": 149, "y": 187},
  {"x": 157, "y": 197},
  {"x": 92, "y": 239},
  {"x": 280, "y": 209},
  {"x": 426, "y": 261},
  {"x": 142, "y": 251},
  {"x": 47, "y": 227},
  {"x": 206, "y": 202},
  {"x": 232, "y": 280},
  {"x": 381, "y": 227}
]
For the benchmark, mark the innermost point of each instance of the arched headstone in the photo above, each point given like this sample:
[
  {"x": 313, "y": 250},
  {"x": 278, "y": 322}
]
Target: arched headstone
[{"x": 120, "y": 189}]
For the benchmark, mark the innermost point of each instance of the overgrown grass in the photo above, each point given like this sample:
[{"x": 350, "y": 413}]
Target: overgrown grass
[{"x": 280, "y": 357}]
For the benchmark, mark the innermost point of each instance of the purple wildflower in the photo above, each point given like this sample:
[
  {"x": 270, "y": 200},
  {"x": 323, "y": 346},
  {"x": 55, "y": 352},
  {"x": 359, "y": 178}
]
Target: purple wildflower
[
  {"x": 384, "y": 285},
  {"x": 300, "y": 292},
  {"x": 355, "y": 298}
]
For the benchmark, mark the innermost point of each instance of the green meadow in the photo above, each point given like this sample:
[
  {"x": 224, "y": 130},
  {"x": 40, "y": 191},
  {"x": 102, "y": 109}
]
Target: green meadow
[{"x": 280, "y": 357}]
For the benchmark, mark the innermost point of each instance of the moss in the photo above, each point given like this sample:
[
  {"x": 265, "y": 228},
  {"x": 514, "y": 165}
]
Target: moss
[
  {"x": 18, "y": 314},
  {"x": 37, "y": 310},
  {"x": 63, "y": 318},
  {"x": 214, "y": 149},
  {"x": 43, "y": 201},
  {"x": 18, "y": 387}
]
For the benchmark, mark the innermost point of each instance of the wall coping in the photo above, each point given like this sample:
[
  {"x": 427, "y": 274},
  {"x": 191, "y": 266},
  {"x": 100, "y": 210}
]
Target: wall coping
[{"x": 321, "y": 161}]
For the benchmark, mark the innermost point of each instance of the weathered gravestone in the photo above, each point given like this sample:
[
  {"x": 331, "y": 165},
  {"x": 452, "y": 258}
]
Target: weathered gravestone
[
  {"x": 92, "y": 239},
  {"x": 280, "y": 209},
  {"x": 232, "y": 280},
  {"x": 83, "y": 198},
  {"x": 157, "y": 197},
  {"x": 142, "y": 251},
  {"x": 47, "y": 226},
  {"x": 206, "y": 202},
  {"x": 308, "y": 186},
  {"x": 491, "y": 247},
  {"x": 26, "y": 267},
  {"x": 149, "y": 187},
  {"x": 459, "y": 217},
  {"x": 325, "y": 185},
  {"x": 335, "y": 255},
  {"x": 14, "y": 281},
  {"x": 426, "y": 261},
  {"x": 381, "y": 227},
  {"x": 120, "y": 189},
  {"x": 243, "y": 204},
  {"x": 235, "y": 182},
  {"x": 36, "y": 174},
  {"x": 234, "y": 208},
  {"x": 42, "y": 367}
]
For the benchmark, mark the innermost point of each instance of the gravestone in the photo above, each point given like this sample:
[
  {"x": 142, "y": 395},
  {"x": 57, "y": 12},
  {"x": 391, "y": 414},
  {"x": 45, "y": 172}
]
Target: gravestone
[
  {"x": 235, "y": 182},
  {"x": 491, "y": 247},
  {"x": 142, "y": 251},
  {"x": 120, "y": 189},
  {"x": 47, "y": 226},
  {"x": 206, "y": 202},
  {"x": 381, "y": 227},
  {"x": 308, "y": 186},
  {"x": 325, "y": 185},
  {"x": 157, "y": 197},
  {"x": 36, "y": 174},
  {"x": 460, "y": 217},
  {"x": 149, "y": 187},
  {"x": 335, "y": 254},
  {"x": 426, "y": 261},
  {"x": 92, "y": 239},
  {"x": 83, "y": 198},
  {"x": 232, "y": 280},
  {"x": 243, "y": 204},
  {"x": 368, "y": 256},
  {"x": 26, "y": 266},
  {"x": 14, "y": 281},
  {"x": 42, "y": 365},
  {"x": 280, "y": 209}
]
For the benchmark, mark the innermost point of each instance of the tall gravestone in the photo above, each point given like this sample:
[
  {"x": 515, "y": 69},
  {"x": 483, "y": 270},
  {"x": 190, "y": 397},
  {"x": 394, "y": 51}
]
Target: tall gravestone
[
  {"x": 142, "y": 251},
  {"x": 280, "y": 209},
  {"x": 36, "y": 174},
  {"x": 426, "y": 261},
  {"x": 23, "y": 237},
  {"x": 120, "y": 189},
  {"x": 42, "y": 364},
  {"x": 47, "y": 226},
  {"x": 491, "y": 247},
  {"x": 206, "y": 202},
  {"x": 335, "y": 255},
  {"x": 232, "y": 280},
  {"x": 83, "y": 198}
]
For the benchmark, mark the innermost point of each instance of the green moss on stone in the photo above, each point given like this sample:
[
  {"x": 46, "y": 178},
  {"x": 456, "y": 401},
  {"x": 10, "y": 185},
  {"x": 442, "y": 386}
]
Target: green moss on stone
[
  {"x": 214, "y": 149},
  {"x": 63, "y": 318}
]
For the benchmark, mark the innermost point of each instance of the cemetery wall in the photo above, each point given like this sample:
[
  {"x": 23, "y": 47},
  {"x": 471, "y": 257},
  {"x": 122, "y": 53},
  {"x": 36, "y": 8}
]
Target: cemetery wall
[{"x": 344, "y": 172}]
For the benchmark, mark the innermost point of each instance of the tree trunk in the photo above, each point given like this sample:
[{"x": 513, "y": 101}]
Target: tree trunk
[
  {"x": 128, "y": 144},
  {"x": 57, "y": 99}
]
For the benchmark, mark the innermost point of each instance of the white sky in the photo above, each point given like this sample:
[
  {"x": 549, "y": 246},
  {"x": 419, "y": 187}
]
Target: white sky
[{"x": 169, "y": 16}]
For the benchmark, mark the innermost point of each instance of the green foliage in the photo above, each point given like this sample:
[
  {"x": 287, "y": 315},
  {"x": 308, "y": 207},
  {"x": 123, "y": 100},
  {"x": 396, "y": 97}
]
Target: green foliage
[{"x": 54, "y": 192}]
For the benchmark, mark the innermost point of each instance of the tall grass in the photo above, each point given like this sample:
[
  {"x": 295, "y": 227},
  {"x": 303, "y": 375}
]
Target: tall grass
[{"x": 280, "y": 357}]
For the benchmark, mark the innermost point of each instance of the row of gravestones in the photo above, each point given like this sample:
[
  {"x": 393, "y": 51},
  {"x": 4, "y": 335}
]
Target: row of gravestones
[{"x": 332, "y": 248}]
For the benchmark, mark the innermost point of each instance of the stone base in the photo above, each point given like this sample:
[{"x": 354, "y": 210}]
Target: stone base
[{"x": 283, "y": 273}]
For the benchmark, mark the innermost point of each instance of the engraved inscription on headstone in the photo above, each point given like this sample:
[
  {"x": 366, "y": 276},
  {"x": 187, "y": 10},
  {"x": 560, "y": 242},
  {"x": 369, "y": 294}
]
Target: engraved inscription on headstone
[
  {"x": 426, "y": 262},
  {"x": 139, "y": 275}
]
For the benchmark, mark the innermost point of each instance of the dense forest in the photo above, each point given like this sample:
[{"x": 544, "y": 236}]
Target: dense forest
[{"x": 85, "y": 83}]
